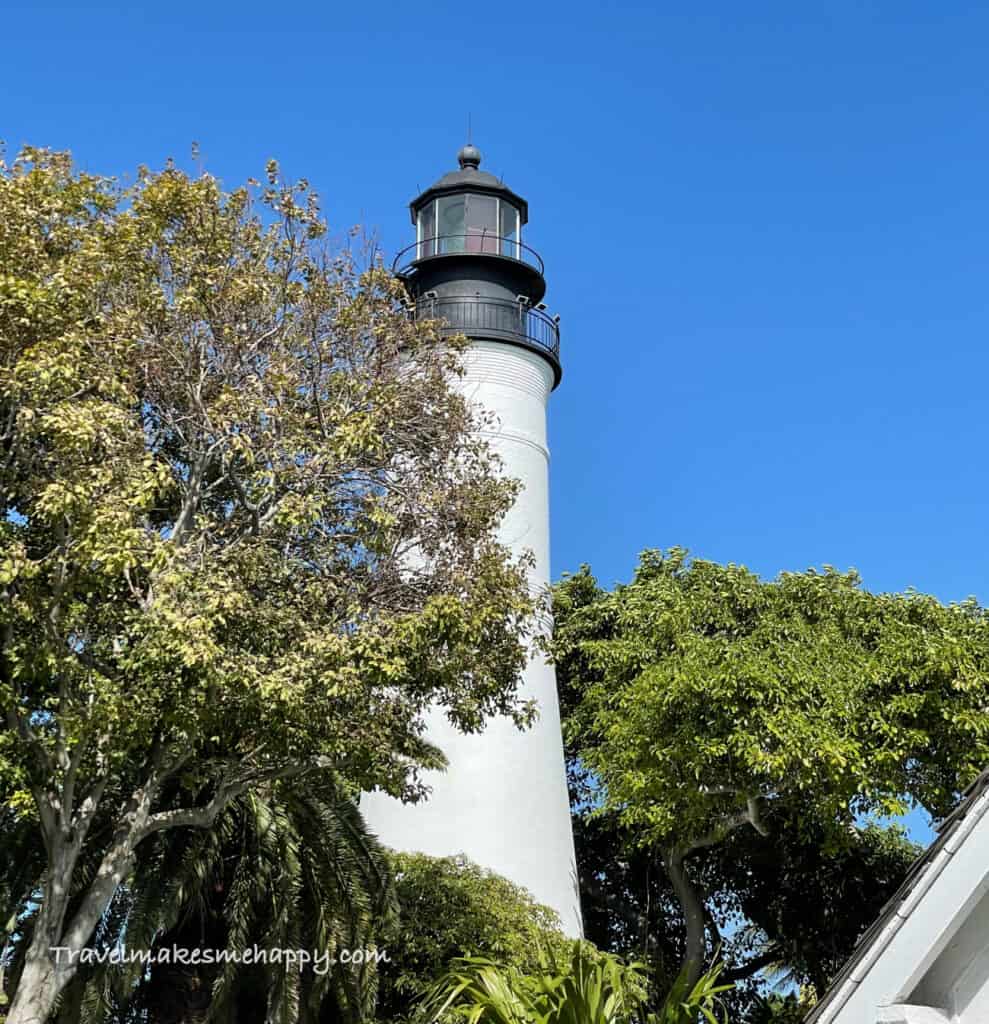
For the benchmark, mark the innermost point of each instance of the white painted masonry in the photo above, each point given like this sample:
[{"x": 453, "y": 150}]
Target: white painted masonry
[{"x": 503, "y": 801}]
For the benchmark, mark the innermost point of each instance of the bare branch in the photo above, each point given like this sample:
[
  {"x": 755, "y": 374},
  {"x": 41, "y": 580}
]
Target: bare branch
[{"x": 227, "y": 791}]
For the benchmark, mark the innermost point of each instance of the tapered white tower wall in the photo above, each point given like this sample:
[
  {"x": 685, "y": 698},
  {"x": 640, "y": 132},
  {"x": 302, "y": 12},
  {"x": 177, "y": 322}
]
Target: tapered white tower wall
[{"x": 503, "y": 800}]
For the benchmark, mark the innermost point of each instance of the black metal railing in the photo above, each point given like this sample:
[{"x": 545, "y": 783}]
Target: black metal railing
[
  {"x": 500, "y": 319},
  {"x": 480, "y": 242}
]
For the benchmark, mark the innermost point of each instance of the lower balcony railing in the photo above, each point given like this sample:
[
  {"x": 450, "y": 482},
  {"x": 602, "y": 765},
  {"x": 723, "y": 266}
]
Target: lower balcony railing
[{"x": 494, "y": 318}]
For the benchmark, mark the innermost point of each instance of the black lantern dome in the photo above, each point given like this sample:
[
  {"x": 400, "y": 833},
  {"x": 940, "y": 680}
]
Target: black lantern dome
[{"x": 469, "y": 266}]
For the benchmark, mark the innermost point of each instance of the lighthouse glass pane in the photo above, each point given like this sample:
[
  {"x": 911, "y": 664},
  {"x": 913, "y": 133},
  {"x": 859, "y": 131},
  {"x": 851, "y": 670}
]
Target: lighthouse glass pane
[
  {"x": 427, "y": 230},
  {"x": 450, "y": 224},
  {"x": 482, "y": 224},
  {"x": 509, "y": 230}
]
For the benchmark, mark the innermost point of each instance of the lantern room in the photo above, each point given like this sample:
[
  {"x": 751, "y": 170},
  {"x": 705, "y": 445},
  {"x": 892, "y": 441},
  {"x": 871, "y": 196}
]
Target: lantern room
[
  {"x": 469, "y": 265},
  {"x": 468, "y": 222}
]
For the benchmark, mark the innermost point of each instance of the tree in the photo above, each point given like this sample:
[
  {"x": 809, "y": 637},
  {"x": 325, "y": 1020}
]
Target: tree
[
  {"x": 808, "y": 901},
  {"x": 450, "y": 907},
  {"x": 804, "y": 906},
  {"x": 248, "y": 527},
  {"x": 289, "y": 866},
  {"x": 708, "y": 704}
]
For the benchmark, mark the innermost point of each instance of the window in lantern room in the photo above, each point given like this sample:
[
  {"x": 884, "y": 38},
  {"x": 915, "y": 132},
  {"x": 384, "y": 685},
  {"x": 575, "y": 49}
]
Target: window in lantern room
[
  {"x": 450, "y": 224},
  {"x": 509, "y": 230},
  {"x": 482, "y": 224},
  {"x": 427, "y": 231}
]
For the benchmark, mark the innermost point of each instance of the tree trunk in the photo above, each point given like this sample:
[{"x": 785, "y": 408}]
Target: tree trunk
[
  {"x": 693, "y": 915},
  {"x": 41, "y": 981},
  {"x": 44, "y": 978},
  {"x": 37, "y": 990}
]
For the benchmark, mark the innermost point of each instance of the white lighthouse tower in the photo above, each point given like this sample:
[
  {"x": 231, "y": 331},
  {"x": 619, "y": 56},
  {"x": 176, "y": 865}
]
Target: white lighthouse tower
[{"x": 503, "y": 800}]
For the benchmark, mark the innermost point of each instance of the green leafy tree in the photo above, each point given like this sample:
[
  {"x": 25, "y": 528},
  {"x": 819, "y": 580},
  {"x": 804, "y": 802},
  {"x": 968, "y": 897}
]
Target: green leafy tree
[
  {"x": 450, "y": 907},
  {"x": 807, "y": 900},
  {"x": 707, "y": 705},
  {"x": 248, "y": 526},
  {"x": 788, "y": 908}
]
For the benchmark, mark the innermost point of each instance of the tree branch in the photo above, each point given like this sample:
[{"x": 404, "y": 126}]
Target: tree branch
[
  {"x": 753, "y": 966},
  {"x": 227, "y": 791},
  {"x": 693, "y": 914},
  {"x": 728, "y": 823}
]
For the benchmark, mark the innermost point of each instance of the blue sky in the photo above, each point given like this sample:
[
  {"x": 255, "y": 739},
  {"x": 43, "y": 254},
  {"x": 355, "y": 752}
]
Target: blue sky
[{"x": 764, "y": 227}]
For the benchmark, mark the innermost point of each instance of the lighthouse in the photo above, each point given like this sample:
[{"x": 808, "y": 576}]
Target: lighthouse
[{"x": 503, "y": 799}]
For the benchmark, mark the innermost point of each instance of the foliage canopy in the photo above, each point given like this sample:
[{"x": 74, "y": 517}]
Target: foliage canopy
[
  {"x": 701, "y": 700},
  {"x": 248, "y": 526},
  {"x": 450, "y": 907}
]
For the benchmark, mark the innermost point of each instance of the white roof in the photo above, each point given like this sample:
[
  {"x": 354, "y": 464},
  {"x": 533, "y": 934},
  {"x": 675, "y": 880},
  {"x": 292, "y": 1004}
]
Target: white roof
[{"x": 919, "y": 964}]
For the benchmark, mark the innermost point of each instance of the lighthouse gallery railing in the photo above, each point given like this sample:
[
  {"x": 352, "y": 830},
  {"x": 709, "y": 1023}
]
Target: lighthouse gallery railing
[{"x": 494, "y": 318}]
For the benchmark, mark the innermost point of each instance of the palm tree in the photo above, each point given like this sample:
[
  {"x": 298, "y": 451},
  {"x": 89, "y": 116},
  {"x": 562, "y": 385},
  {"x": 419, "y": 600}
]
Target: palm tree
[{"x": 291, "y": 866}]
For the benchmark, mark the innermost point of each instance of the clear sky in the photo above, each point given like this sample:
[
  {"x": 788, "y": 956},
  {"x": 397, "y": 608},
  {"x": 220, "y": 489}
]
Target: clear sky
[{"x": 764, "y": 227}]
